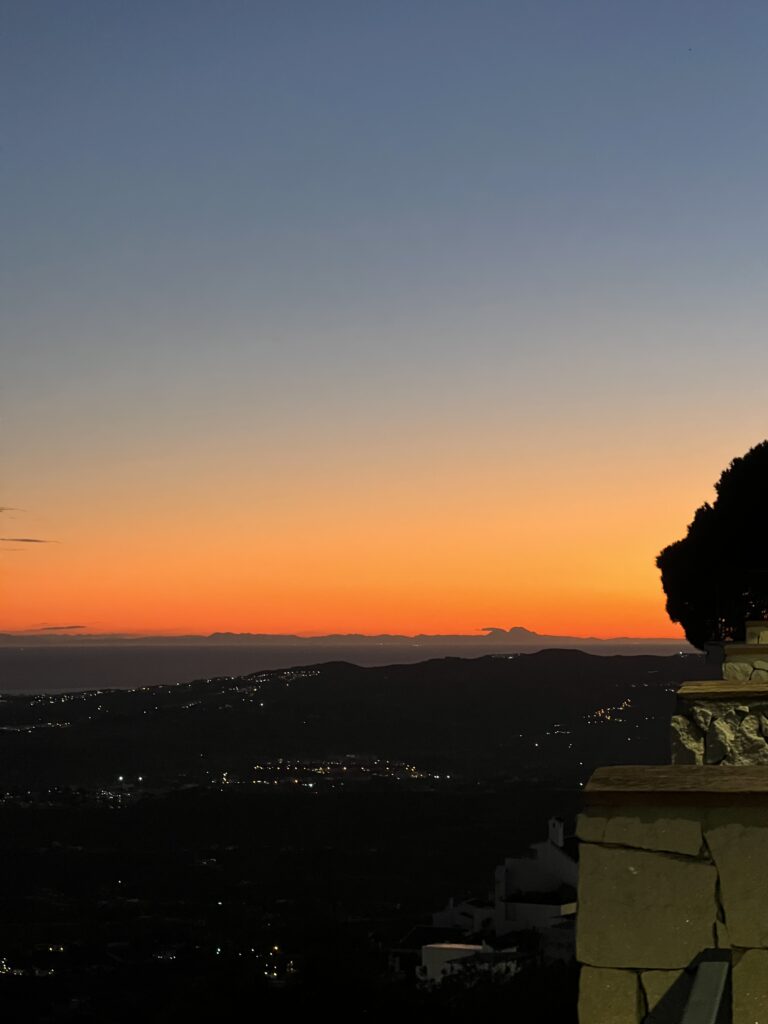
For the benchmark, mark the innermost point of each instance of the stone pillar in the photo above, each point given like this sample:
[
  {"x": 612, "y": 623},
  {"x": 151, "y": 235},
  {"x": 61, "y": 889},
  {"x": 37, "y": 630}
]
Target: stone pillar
[
  {"x": 725, "y": 721},
  {"x": 673, "y": 868}
]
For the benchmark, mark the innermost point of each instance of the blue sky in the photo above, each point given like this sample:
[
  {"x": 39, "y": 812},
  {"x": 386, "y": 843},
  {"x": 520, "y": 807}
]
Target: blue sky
[{"x": 290, "y": 235}]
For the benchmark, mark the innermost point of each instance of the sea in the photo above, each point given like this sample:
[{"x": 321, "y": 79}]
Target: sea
[{"x": 61, "y": 669}]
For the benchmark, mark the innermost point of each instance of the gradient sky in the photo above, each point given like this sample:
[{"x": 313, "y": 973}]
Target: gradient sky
[{"x": 411, "y": 315}]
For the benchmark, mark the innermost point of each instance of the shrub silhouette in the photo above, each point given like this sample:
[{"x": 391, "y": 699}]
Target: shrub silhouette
[{"x": 716, "y": 577}]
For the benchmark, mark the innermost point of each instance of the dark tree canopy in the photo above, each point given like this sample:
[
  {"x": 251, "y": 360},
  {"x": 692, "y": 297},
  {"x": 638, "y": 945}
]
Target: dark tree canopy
[{"x": 716, "y": 577}]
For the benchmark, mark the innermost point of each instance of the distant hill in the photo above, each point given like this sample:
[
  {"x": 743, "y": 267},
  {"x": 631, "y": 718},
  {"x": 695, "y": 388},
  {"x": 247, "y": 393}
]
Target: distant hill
[
  {"x": 488, "y": 640},
  {"x": 548, "y": 717}
]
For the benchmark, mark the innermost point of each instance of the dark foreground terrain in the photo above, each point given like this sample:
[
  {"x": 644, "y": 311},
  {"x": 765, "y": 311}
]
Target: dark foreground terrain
[
  {"x": 243, "y": 847},
  {"x": 216, "y": 905}
]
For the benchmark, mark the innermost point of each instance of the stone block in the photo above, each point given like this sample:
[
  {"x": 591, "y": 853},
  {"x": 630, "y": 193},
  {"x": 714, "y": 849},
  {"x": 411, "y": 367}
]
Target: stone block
[
  {"x": 747, "y": 815},
  {"x": 723, "y": 939},
  {"x": 719, "y": 740},
  {"x": 671, "y": 835},
  {"x": 642, "y": 829},
  {"x": 750, "y": 988},
  {"x": 737, "y": 671},
  {"x": 702, "y": 716},
  {"x": 740, "y": 853},
  {"x": 750, "y": 746},
  {"x": 590, "y": 828},
  {"x": 687, "y": 741},
  {"x": 736, "y": 738},
  {"x": 609, "y": 997},
  {"x": 639, "y": 909},
  {"x": 666, "y": 993}
]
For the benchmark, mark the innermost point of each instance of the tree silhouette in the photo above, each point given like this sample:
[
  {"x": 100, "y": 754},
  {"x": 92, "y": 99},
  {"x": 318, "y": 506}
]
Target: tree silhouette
[{"x": 716, "y": 577}]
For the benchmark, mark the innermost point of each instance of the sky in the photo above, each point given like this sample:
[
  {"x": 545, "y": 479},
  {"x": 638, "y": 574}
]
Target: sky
[{"x": 404, "y": 316}]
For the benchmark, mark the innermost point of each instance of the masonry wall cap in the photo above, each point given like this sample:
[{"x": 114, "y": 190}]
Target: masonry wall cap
[
  {"x": 739, "y": 649},
  {"x": 722, "y": 689},
  {"x": 678, "y": 783}
]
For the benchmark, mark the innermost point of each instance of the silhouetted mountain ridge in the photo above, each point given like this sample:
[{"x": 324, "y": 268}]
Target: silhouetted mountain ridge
[
  {"x": 548, "y": 715},
  {"x": 489, "y": 638}
]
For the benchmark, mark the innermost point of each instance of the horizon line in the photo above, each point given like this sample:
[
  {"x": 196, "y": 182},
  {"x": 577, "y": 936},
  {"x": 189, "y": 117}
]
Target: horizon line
[{"x": 514, "y": 634}]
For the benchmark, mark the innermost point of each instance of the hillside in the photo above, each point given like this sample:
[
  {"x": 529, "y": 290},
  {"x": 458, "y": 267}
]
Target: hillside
[{"x": 547, "y": 717}]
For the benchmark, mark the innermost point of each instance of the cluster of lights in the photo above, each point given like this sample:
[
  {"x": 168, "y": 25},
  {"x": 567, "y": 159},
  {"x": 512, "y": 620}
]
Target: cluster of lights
[
  {"x": 609, "y": 714},
  {"x": 33, "y": 726}
]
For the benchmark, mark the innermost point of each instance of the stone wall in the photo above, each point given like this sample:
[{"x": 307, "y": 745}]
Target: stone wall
[
  {"x": 744, "y": 663},
  {"x": 756, "y": 632},
  {"x": 721, "y": 722},
  {"x": 726, "y": 721},
  {"x": 674, "y": 858},
  {"x": 673, "y": 869}
]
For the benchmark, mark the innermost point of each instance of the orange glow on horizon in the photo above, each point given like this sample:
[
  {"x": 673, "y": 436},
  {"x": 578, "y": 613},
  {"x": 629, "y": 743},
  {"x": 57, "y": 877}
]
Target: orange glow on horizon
[{"x": 401, "y": 554}]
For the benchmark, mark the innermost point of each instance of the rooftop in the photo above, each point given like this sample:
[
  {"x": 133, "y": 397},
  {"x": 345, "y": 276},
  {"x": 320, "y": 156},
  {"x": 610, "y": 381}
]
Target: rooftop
[{"x": 454, "y": 945}]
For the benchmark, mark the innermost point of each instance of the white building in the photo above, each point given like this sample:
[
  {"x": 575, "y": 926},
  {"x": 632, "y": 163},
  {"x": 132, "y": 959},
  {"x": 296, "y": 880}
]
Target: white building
[
  {"x": 440, "y": 960},
  {"x": 547, "y": 866},
  {"x": 535, "y": 891},
  {"x": 467, "y": 915}
]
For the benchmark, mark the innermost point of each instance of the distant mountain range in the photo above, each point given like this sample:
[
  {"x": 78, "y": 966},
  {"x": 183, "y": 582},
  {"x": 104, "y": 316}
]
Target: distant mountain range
[{"x": 491, "y": 638}]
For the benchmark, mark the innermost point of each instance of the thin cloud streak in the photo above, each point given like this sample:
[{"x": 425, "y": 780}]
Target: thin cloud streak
[
  {"x": 54, "y": 629},
  {"x": 25, "y": 540}
]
